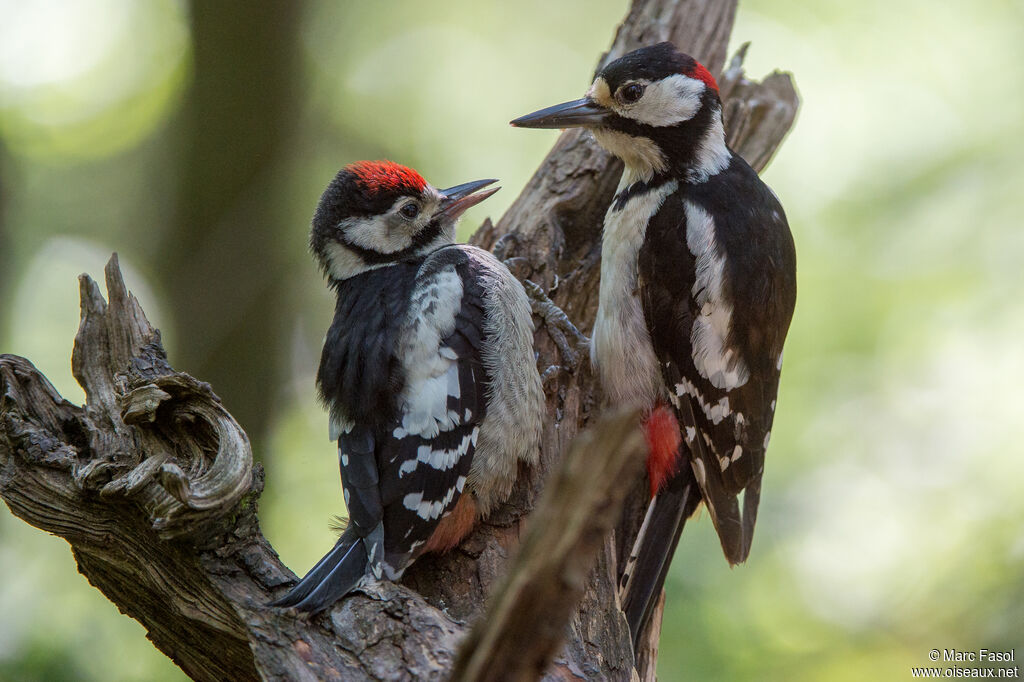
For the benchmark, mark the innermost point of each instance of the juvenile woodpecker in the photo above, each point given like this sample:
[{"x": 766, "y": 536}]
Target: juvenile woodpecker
[
  {"x": 698, "y": 285},
  {"x": 427, "y": 370}
]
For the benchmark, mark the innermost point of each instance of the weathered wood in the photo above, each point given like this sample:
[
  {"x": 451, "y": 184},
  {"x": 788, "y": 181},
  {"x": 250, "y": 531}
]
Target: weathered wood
[
  {"x": 525, "y": 622},
  {"x": 152, "y": 482}
]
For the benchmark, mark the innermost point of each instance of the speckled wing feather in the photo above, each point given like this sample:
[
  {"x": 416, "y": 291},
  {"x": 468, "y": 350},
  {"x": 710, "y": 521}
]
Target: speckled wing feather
[{"x": 424, "y": 454}]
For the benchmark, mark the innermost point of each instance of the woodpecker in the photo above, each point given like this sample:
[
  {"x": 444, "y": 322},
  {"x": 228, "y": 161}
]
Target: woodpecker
[
  {"x": 427, "y": 371},
  {"x": 698, "y": 286}
]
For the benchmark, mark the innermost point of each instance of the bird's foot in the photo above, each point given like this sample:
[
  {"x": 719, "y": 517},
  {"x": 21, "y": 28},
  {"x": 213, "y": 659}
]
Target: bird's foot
[{"x": 572, "y": 345}]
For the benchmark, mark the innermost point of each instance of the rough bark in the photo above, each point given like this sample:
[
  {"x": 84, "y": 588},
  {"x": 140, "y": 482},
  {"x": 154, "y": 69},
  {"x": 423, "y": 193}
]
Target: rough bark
[
  {"x": 152, "y": 481},
  {"x": 532, "y": 602}
]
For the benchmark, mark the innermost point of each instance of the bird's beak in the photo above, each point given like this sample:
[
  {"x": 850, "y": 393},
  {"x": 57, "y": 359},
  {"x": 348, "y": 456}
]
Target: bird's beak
[
  {"x": 581, "y": 112},
  {"x": 455, "y": 200}
]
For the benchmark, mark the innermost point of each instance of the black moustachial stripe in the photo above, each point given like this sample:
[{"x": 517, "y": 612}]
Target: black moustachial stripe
[{"x": 638, "y": 188}]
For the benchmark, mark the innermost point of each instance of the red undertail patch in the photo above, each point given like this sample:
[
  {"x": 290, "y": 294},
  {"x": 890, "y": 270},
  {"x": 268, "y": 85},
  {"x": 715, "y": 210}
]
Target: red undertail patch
[
  {"x": 661, "y": 430},
  {"x": 454, "y": 527}
]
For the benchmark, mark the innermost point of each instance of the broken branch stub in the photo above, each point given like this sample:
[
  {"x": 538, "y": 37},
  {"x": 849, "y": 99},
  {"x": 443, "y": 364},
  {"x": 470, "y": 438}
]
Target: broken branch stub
[{"x": 171, "y": 447}]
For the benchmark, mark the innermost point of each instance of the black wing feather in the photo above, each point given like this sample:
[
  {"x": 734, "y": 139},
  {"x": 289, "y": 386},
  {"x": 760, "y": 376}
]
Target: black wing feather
[{"x": 406, "y": 529}]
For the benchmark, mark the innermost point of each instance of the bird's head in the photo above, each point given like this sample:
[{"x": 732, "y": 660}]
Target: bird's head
[
  {"x": 376, "y": 213},
  {"x": 655, "y": 108}
]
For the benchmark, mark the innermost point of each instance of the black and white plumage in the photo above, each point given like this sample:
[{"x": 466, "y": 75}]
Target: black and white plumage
[
  {"x": 698, "y": 287},
  {"x": 427, "y": 369}
]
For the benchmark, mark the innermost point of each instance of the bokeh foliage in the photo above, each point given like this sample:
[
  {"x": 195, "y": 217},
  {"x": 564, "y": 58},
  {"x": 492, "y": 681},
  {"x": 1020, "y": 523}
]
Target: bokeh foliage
[{"x": 892, "y": 516}]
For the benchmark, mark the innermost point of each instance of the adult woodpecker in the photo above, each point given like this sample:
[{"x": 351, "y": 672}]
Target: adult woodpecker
[
  {"x": 698, "y": 285},
  {"x": 428, "y": 372}
]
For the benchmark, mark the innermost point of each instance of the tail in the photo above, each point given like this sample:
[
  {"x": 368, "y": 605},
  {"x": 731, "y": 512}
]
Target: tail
[
  {"x": 735, "y": 529},
  {"x": 652, "y": 551},
  {"x": 332, "y": 578}
]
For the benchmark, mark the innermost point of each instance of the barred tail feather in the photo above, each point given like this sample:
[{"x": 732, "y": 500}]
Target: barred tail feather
[{"x": 332, "y": 578}]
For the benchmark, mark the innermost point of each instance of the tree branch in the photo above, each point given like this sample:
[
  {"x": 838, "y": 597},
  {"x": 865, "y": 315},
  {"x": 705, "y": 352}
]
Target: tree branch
[
  {"x": 152, "y": 482},
  {"x": 580, "y": 505}
]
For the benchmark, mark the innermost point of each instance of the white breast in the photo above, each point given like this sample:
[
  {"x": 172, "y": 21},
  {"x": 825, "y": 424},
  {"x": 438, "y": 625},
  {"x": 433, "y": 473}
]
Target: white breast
[{"x": 621, "y": 346}]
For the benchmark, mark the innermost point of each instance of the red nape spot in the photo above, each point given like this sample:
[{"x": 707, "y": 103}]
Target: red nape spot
[
  {"x": 378, "y": 175},
  {"x": 663, "y": 440},
  {"x": 702, "y": 74}
]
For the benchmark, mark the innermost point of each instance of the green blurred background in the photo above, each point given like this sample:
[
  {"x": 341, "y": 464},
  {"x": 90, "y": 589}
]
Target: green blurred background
[{"x": 195, "y": 139}]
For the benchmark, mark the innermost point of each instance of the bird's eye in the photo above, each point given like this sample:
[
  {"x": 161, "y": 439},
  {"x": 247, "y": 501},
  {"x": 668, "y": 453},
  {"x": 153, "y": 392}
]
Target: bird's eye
[
  {"x": 410, "y": 210},
  {"x": 631, "y": 93}
]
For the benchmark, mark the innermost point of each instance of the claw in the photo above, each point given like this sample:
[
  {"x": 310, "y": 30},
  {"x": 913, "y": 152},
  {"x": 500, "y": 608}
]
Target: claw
[{"x": 572, "y": 344}]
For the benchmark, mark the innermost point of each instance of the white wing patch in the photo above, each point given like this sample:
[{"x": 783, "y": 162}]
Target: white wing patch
[
  {"x": 667, "y": 102},
  {"x": 713, "y": 358},
  {"x": 429, "y": 510},
  {"x": 432, "y": 374},
  {"x": 716, "y": 412},
  {"x": 441, "y": 460}
]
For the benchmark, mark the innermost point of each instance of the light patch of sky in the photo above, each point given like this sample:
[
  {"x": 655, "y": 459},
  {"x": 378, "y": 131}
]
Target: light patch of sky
[{"x": 66, "y": 85}]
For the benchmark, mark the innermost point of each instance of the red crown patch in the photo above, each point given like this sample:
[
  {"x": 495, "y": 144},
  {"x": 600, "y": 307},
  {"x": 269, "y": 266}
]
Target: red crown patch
[{"x": 386, "y": 175}]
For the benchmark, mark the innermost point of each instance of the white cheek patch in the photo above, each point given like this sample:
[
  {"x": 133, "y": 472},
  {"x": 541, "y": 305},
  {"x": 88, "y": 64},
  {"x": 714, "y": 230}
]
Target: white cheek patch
[
  {"x": 342, "y": 263},
  {"x": 667, "y": 102},
  {"x": 390, "y": 231},
  {"x": 712, "y": 155},
  {"x": 376, "y": 234}
]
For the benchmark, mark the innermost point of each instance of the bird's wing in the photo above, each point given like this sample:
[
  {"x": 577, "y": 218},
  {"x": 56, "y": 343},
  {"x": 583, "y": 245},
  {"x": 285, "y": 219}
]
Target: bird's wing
[
  {"x": 723, "y": 399},
  {"x": 424, "y": 455},
  {"x": 407, "y": 425}
]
